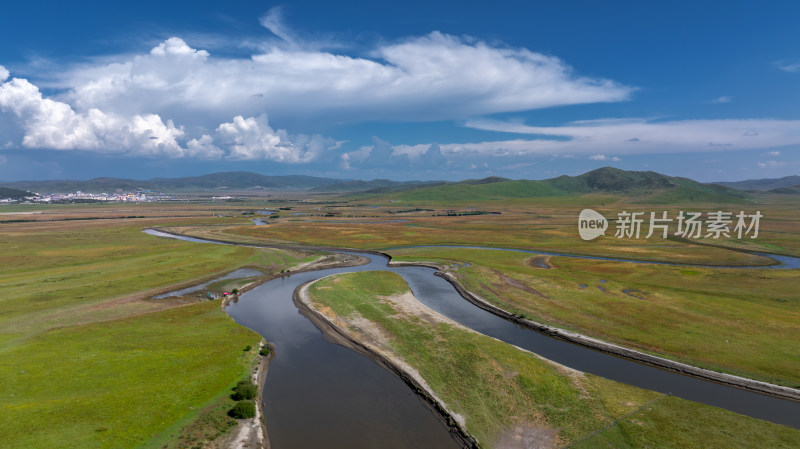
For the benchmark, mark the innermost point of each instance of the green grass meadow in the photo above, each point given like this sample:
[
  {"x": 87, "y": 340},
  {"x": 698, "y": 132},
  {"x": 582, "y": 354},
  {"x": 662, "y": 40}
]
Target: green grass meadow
[
  {"x": 500, "y": 389},
  {"x": 118, "y": 383},
  {"x": 740, "y": 321},
  {"x": 88, "y": 361}
]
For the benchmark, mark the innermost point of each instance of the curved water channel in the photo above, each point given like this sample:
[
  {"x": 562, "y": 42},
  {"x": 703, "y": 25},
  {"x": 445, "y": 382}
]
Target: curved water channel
[{"x": 323, "y": 395}]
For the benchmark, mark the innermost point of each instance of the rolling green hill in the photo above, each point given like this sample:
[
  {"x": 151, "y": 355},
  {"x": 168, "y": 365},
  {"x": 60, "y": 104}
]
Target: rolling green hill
[
  {"x": 793, "y": 190},
  {"x": 763, "y": 184},
  {"x": 479, "y": 192},
  {"x": 243, "y": 180},
  {"x": 374, "y": 186},
  {"x": 13, "y": 193},
  {"x": 650, "y": 187}
]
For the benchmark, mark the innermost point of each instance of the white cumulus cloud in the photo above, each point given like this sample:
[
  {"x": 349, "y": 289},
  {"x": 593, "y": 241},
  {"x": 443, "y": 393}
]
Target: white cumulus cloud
[
  {"x": 253, "y": 138},
  {"x": 204, "y": 148},
  {"x": 46, "y": 123},
  {"x": 175, "y": 46},
  {"x": 142, "y": 104},
  {"x": 431, "y": 77},
  {"x": 51, "y": 124}
]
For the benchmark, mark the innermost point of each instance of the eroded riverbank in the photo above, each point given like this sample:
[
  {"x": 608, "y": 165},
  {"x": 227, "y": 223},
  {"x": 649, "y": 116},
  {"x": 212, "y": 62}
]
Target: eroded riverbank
[
  {"x": 632, "y": 354},
  {"x": 441, "y": 297},
  {"x": 504, "y": 396},
  {"x": 337, "y": 334}
]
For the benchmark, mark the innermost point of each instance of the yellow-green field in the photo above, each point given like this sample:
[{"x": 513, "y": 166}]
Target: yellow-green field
[
  {"x": 91, "y": 361},
  {"x": 731, "y": 320},
  {"x": 507, "y": 395},
  {"x": 739, "y": 321},
  {"x": 88, "y": 360},
  {"x": 534, "y": 226},
  {"x": 118, "y": 383}
]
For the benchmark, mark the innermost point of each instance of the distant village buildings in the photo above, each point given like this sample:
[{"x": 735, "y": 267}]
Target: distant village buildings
[{"x": 123, "y": 197}]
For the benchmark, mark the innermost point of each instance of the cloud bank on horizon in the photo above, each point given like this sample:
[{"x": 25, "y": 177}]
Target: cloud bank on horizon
[
  {"x": 176, "y": 101},
  {"x": 143, "y": 104}
]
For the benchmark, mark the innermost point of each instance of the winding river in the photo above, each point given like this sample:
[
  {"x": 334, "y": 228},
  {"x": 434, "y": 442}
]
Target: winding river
[{"x": 323, "y": 395}]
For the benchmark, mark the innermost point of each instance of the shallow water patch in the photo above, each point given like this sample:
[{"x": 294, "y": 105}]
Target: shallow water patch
[{"x": 238, "y": 274}]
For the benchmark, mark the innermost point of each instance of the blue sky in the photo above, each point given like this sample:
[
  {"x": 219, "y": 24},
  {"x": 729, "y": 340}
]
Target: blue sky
[{"x": 409, "y": 90}]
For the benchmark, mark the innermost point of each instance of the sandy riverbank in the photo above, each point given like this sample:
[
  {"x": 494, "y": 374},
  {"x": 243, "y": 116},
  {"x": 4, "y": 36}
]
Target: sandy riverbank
[
  {"x": 252, "y": 433},
  {"x": 583, "y": 340},
  {"x": 335, "y": 334}
]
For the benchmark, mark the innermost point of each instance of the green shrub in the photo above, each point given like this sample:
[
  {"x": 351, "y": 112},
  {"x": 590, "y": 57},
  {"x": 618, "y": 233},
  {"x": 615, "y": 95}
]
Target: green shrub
[
  {"x": 243, "y": 410},
  {"x": 244, "y": 390},
  {"x": 264, "y": 350}
]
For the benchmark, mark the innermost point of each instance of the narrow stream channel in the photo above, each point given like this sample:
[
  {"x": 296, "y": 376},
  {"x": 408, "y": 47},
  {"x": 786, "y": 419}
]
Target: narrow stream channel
[{"x": 321, "y": 394}]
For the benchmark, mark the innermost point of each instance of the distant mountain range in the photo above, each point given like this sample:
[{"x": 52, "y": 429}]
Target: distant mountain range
[
  {"x": 647, "y": 186},
  {"x": 764, "y": 184},
  {"x": 374, "y": 186},
  {"x": 220, "y": 181},
  {"x": 213, "y": 181}
]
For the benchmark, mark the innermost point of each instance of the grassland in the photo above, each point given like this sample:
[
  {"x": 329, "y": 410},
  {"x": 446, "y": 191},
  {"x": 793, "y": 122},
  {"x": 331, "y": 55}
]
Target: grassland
[
  {"x": 544, "y": 228},
  {"x": 650, "y": 187},
  {"x": 508, "y": 396},
  {"x": 73, "y": 275},
  {"x": 736, "y": 321},
  {"x": 739, "y": 321},
  {"x": 87, "y": 359},
  {"x": 118, "y": 383}
]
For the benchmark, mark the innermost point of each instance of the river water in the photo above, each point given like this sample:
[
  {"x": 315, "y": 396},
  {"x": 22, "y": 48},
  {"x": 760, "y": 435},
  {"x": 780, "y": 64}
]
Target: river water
[{"x": 318, "y": 394}]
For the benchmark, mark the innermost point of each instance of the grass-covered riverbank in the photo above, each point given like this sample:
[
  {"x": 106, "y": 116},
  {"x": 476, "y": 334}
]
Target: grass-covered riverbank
[
  {"x": 122, "y": 382},
  {"x": 739, "y": 321},
  {"x": 507, "y": 396},
  {"x": 88, "y": 361}
]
